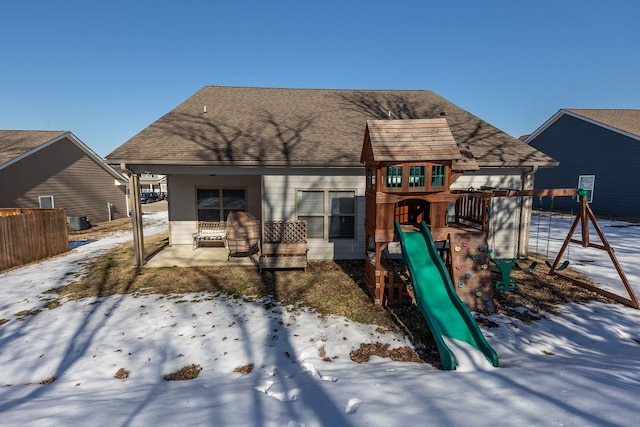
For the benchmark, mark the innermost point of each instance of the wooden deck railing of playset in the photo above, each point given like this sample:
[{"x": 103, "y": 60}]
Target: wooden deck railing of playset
[{"x": 472, "y": 210}]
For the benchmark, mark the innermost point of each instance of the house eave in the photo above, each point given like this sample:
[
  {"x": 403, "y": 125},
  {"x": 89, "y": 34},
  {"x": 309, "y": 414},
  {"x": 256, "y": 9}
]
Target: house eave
[
  {"x": 518, "y": 164},
  {"x": 236, "y": 164}
]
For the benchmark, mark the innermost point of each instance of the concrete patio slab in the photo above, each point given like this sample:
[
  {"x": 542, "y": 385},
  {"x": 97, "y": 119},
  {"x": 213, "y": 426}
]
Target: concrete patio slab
[{"x": 185, "y": 256}]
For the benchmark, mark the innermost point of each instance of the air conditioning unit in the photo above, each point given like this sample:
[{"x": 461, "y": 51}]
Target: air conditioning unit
[{"x": 78, "y": 222}]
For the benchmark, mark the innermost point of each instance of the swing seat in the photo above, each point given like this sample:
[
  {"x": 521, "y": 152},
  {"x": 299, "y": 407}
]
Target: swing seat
[
  {"x": 529, "y": 269},
  {"x": 561, "y": 267},
  {"x": 506, "y": 283}
]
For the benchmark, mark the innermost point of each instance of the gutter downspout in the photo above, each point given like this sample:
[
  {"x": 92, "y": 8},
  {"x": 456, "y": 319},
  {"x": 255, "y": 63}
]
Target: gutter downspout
[
  {"x": 136, "y": 216},
  {"x": 525, "y": 213}
]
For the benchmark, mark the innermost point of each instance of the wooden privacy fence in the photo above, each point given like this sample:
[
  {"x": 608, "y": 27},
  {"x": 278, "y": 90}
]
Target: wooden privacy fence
[{"x": 27, "y": 235}]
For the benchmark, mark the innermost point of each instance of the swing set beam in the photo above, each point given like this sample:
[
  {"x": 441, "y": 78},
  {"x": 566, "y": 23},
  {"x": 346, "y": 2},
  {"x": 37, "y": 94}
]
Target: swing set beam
[{"x": 584, "y": 216}]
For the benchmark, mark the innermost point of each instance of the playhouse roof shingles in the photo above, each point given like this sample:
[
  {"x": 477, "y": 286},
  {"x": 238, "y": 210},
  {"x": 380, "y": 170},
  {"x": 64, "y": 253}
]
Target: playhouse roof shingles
[
  {"x": 15, "y": 143},
  {"x": 242, "y": 126}
]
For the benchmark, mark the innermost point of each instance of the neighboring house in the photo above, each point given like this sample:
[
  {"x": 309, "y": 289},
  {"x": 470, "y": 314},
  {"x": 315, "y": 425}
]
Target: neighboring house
[
  {"x": 55, "y": 169},
  {"x": 295, "y": 154},
  {"x": 153, "y": 182},
  {"x": 598, "y": 150}
]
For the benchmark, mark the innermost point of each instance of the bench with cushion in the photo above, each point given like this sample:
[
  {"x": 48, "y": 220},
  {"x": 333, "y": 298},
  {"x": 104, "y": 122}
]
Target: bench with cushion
[{"x": 209, "y": 232}]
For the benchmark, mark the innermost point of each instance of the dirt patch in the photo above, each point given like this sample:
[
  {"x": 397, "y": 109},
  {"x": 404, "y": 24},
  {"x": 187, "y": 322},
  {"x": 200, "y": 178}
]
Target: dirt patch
[
  {"x": 400, "y": 354},
  {"x": 186, "y": 373},
  {"x": 538, "y": 292},
  {"x": 122, "y": 374},
  {"x": 24, "y": 313},
  {"x": 245, "y": 369},
  {"x": 101, "y": 229},
  {"x": 48, "y": 380}
]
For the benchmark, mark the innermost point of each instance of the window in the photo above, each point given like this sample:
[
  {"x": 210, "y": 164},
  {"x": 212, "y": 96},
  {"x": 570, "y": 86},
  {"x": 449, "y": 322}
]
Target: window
[
  {"x": 46, "y": 202},
  {"x": 394, "y": 176},
  {"x": 587, "y": 182},
  {"x": 214, "y": 204},
  {"x": 416, "y": 176},
  {"x": 329, "y": 214},
  {"x": 371, "y": 178},
  {"x": 438, "y": 175}
]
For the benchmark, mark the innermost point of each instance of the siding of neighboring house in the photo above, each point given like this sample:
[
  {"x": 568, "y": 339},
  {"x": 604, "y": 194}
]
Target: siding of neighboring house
[
  {"x": 64, "y": 171},
  {"x": 583, "y": 148}
]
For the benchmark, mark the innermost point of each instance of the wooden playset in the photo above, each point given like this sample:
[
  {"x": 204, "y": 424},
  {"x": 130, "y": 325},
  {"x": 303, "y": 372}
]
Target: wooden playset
[{"x": 410, "y": 166}]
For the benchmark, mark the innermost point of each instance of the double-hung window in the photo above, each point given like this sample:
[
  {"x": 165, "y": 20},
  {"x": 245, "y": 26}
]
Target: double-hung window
[
  {"x": 330, "y": 214},
  {"x": 214, "y": 204}
]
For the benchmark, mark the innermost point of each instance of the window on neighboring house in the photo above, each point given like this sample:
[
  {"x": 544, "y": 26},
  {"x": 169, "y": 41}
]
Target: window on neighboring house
[
  {"x": 416, "y": 176},
  {"x": 394, "y": 176},
  {"x": 46, "y": 202},
  {"x": 329, "y": 214},
  {"x": 438, "y": 175},
  {"x": 214, "y": 204},
  {"x": 587, "y": 182}
]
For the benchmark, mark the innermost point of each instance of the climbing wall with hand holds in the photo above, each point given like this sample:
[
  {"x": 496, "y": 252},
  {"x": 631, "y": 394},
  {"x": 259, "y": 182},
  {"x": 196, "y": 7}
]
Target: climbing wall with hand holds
[{"x": 470, "y": 272}]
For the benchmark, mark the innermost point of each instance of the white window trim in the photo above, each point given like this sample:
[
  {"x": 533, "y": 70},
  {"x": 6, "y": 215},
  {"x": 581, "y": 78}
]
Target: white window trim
[
  {"x": 53, "y": 204},
  {"x": 327, "y": 215},
  {"x": 221, "y": 190},
  {"x": 590, "y": 190}
]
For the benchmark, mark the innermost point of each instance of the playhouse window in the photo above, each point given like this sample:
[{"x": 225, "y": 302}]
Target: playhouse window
[
  {"x": 214, "y": 204},
  {"x": 394, "y": 176},
  {"x": 329, "y": 214},
  {"x": 438, "y": 175},
  {"x": 416, "y": 176}
]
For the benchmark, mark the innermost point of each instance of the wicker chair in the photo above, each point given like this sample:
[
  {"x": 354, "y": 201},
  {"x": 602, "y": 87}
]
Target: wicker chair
[{"x": 243, "y": 234}]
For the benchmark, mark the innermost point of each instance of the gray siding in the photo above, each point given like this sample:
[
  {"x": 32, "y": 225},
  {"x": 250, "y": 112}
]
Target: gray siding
[
  {"x": 64, "y": 171},
  {"x": 280, "y": 203},
  {"x": 273, "y": 197},
  {"x": 182, "y": 200},
  {"x": 583, "y": 148}
]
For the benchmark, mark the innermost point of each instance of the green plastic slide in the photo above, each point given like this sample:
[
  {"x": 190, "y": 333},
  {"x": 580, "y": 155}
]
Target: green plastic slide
[{"x": 444, "y": 311}]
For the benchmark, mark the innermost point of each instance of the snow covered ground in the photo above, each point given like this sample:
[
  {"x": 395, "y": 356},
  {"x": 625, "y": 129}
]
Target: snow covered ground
[{"x": 580, "y": 368}]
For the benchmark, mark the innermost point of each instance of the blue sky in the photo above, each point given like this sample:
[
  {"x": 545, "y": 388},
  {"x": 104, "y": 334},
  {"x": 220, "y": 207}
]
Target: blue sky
[{"x": 107, "y": 69}]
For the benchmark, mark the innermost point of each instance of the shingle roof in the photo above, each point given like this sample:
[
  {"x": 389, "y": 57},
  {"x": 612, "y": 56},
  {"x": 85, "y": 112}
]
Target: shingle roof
[
  {"x": 15, "y": 143},
  {"x": 234, "y": 126},
  {"x": 625, "y": 120}
]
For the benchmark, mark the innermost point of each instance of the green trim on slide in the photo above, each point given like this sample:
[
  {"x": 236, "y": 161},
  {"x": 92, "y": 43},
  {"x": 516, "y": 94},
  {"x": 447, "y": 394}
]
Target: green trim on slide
[{"x": 444, "y": 311}]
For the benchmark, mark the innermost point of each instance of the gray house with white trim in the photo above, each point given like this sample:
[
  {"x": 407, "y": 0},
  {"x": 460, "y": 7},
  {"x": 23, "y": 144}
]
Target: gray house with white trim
[
  {"x": 45, "y": 169},
  {"x": 295, "y": 154},
  {"x": 600, "y": 148}
]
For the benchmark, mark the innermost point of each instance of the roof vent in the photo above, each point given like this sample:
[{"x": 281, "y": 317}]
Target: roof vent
[{"x": 442, "y": 113}]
